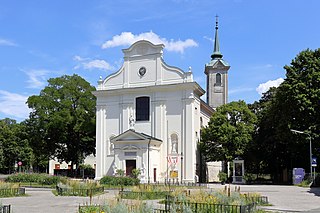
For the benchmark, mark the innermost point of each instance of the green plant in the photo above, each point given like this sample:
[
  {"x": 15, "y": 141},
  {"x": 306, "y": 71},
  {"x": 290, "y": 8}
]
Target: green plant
[
  {"x": 222, "y": 176},
  {"x": 248, "y": 177},
  {"x": 118, "y": 207},
  {"x": 120, "y": 172},
  {"x": 304, "y": 183},
  {"x": 77, "y": 188},
  {"x": 135, "y": 173},
  {"x": 119, "y": 181},
  {"x": 43, "y": 179},
  {"x": 85, "y": 166}
]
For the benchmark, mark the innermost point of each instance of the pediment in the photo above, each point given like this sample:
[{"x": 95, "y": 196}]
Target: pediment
[{"x": 129, "y": 135}]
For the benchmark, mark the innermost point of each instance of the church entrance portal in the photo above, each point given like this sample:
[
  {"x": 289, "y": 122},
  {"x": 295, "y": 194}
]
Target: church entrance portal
[{"x": 130, "y": 165}]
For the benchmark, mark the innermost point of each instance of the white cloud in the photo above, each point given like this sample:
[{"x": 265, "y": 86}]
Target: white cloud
[
  {"x": 5, "y": 42},
  {"x": 128, "y": 38},
  {"x": 99, "y": 64},
  {"x": 14, "y": 105},
  {"x": 37, "y": 78},
  {"x": 264, "y": 87},
  {"x": 88, "y": 64}
]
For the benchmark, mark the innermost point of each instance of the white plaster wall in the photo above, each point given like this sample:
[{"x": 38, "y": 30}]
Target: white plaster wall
[
  {"x": 91, "y": 160},
  {"x": 172, "y": 109},
  {"x": 213, "y": 170}
]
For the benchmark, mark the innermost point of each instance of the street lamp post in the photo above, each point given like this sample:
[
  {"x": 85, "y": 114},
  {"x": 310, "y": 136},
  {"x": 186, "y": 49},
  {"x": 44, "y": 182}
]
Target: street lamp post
[{"x": 300, "y": 132}]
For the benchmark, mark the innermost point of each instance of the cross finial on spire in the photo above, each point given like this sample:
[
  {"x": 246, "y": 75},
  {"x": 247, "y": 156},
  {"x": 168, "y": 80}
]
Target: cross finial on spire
[
  {"x": 216, "y": 51},
  {"x": 217, "y": 20}
]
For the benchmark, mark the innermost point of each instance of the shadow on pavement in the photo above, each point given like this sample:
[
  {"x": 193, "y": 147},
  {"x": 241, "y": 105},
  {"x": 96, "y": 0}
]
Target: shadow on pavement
[{"x": 315, "y": 191}]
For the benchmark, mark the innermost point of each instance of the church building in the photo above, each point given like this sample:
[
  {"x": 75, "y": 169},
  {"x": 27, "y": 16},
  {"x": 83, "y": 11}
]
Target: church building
[{"x": 150, "y": 114}]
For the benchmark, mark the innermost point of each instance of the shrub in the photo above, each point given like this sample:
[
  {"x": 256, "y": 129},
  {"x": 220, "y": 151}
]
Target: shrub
[
  {"x": 78, "y": 188},
  {"x": 120, "y": 172},
  {"x": 119, "y": 181},
  {"x": 222, "y": 176},
  {"x": 85, "y": 166},
  {"x": 44, "y": 179},
  {"x": 249, "y": 177},
  {"x": 118, "y": 207},
  {"x": 10, "y": 190},
  {"x": 136, "y": 173}
]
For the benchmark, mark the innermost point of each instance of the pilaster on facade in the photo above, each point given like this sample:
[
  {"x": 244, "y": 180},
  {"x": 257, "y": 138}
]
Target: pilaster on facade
[{"x": 189, "y": 135}]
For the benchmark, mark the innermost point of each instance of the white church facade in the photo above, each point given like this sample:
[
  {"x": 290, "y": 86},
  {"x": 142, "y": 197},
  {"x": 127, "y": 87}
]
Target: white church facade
[{"x": 149, "y": 115}]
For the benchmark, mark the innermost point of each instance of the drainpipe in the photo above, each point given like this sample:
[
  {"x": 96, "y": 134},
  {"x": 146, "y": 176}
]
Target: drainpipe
[{"x": 149, "y": 160}]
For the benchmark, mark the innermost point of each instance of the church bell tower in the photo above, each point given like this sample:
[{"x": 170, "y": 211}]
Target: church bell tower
[{"x": 217, "y": 76}]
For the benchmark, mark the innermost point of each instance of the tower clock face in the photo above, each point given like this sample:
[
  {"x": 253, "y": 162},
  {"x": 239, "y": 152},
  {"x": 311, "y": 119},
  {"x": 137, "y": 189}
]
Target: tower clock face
[{"x": 142, "y": 71}]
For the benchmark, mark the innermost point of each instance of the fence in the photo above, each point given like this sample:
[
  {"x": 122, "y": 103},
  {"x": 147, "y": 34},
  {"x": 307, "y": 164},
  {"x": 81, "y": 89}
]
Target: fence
[
  {"x": 99, "y": 208},
  {"x": 170, "y": 204},
  {"x": 257, "y": 200},
  {"x": 79, "y": 192},
  {"x": 12, "y": 192},
  {"x": 143, "y": 195},
  {"x": 177, "y": 183},
  {"x": 5, "y": 209},
  {"x": 216, "y": 208}
]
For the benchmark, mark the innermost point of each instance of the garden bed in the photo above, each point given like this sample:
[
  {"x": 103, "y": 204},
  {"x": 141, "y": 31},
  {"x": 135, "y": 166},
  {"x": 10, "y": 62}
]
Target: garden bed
[
  {"x": 11, "y": 190},
  {"x": 84, "y": 192},
  {"x": 35, "y": 180},
  {"x": 77, "y": 188}
]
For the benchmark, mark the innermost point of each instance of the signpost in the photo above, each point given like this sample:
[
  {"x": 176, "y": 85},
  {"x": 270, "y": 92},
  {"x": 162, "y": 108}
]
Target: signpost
[
  {"x": 19, "y": 165},
  {"x": 314, "y": 162}
]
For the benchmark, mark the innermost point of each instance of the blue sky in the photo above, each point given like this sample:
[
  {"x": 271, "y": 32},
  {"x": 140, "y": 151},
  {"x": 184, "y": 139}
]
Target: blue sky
[{"x": 44, "y": 39}]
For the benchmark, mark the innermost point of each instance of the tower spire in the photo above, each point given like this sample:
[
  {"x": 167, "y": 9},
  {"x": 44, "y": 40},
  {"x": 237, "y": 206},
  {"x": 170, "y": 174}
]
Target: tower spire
[{"x": 216, "y": 51}]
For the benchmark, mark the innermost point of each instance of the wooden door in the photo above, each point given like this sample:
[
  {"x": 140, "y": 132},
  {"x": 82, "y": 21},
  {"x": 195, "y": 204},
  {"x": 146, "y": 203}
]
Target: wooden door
[{"x": 130, "y": 165}]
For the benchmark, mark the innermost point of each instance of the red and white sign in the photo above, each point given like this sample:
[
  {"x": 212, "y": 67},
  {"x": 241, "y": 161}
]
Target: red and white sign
[
  {"x": 19, "y": 163},
  {"x": 173, "y": 159}
]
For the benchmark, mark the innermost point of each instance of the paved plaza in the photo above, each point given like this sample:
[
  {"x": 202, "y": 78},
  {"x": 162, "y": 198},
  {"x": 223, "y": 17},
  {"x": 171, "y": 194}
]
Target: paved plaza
[{"x": 282, "y": 198}]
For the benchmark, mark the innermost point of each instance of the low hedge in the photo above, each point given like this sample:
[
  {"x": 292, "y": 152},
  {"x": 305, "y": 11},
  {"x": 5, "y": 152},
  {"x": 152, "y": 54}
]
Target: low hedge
[
  {"x": 119, "y": 181},
  {"x": 44, "y": 179}
]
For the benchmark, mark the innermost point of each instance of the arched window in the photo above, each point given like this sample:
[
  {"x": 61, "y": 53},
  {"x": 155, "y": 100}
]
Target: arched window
[
  {"x": 142, "y": 108},
  {"x": 218, "y": 79},
  {"x": 174, "y": 143}
]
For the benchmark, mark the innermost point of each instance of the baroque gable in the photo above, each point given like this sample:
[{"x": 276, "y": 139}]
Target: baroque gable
[{"x": 144, "y": 66}]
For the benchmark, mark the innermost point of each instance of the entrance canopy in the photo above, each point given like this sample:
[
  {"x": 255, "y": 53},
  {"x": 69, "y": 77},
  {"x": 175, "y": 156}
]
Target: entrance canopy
[{"x": 131, "y": 137}]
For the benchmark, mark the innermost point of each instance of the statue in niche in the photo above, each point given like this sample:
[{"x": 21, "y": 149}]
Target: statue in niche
[
  {"x": 131, "y": 122},
  {"x": 143, "y": 170},
  {"x": 114, "y": 167},
  {"x": 174, "y": 147}
]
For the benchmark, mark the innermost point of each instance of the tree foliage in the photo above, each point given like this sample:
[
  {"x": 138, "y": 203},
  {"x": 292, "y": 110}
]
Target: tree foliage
[
  {"x": 229, "y": 132},
  {"x": 295, "y": 104},
  {"x": 14, "y": 145},
  {"x": 62, "y": 121}
]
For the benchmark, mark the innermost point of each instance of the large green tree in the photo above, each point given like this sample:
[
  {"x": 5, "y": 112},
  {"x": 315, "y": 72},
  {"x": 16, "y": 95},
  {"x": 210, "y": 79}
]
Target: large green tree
[
  {"x": 62, "y": 121},
  {"x": 14, "y": 146},
  {"x": 228, "y": 133},
  {"x": 295, "y": 104}
]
